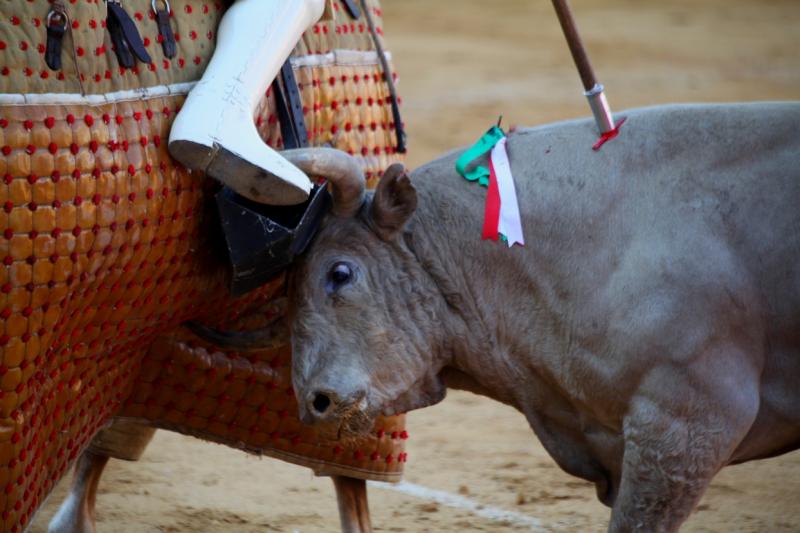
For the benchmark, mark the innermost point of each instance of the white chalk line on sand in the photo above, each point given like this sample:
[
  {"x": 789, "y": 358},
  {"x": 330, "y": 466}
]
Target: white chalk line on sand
[{"x": 460, "y": 502}]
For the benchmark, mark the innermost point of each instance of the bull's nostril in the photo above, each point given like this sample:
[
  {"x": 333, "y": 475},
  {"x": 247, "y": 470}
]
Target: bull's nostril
[{"x": 321, "y": 402}]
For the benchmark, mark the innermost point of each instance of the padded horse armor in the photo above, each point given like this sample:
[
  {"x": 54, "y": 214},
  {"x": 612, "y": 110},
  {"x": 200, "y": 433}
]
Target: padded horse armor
[{"x": 107, "y": 247}]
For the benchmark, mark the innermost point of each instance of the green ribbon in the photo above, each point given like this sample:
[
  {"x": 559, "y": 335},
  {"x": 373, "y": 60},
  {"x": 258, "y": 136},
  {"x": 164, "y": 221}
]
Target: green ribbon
[{"x": 484, "y": 144}]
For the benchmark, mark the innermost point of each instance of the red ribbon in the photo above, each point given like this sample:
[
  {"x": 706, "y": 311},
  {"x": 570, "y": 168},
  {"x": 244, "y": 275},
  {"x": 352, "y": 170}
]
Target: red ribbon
[
  {"x": 607, "y": 136},
  {"x": 491, "y": 217}
]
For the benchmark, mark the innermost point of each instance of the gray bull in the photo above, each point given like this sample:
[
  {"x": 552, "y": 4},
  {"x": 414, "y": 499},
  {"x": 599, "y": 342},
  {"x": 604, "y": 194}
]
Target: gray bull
[{"x": 649, "y": 330}]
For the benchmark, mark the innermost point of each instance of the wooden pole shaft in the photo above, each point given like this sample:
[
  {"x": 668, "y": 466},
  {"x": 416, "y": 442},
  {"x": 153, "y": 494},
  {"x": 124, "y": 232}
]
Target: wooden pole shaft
[
  {"x": 593, "y": 90},
  {"x": 575, "y": 44}
]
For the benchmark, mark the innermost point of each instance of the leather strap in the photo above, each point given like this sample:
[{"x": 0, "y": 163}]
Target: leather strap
[
  {"x": 399, "y": 130},
  {"x": 124, "y": 55},
  {"x": 57, "y": 23},
  {"x": 165, "y": 31},
  {"x": 125, "y": 36},
  {"x": 290, "y": 109}
]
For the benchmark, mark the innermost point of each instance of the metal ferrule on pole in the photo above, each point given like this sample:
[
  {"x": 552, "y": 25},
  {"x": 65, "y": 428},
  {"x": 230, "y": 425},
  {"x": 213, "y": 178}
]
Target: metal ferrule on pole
[{"x": 600, "y": 108}]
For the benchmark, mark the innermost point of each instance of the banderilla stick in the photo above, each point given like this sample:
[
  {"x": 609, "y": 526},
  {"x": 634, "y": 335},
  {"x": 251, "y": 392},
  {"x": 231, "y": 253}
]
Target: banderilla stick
[{"x": 593, "y": 89}]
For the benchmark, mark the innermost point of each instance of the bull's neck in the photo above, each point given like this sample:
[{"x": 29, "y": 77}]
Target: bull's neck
[{"x": 483, "y": 284}]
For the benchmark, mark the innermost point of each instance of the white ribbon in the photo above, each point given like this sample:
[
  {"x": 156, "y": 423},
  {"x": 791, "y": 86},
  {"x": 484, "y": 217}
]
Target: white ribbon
[{"x": 509, "y": 224}]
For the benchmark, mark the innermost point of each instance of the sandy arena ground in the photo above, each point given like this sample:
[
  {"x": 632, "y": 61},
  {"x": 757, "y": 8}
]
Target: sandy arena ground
[{"x": 463, "y": 63}]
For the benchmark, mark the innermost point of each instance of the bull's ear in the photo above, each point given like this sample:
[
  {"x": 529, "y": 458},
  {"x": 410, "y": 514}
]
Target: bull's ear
[{"x": 394, "y": 202}]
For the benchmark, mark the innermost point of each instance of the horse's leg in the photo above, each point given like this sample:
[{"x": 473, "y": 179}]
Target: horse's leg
[
  {"x": 351, "y": 494},
  {"x": 76, "y": 514},
  {"x": 121, "y": 440}
]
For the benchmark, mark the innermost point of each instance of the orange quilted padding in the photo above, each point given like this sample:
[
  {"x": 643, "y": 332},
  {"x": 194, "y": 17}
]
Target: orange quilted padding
[{"x": 108, "y": 246}]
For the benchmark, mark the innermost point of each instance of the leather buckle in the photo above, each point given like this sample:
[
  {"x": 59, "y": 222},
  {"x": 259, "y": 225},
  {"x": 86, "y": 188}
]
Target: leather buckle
[
  {"x": 51, "y": 17},
  {"x": 167, "y": 37},
  {"x": 167, "y": 8}
]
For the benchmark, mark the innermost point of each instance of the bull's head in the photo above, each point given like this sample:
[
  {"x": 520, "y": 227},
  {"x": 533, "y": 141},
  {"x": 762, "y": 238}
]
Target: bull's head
[{"x": 364, "y": 312}]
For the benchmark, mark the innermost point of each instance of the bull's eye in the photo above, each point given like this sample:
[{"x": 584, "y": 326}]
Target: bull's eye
[{"x": 339, "y": 274}]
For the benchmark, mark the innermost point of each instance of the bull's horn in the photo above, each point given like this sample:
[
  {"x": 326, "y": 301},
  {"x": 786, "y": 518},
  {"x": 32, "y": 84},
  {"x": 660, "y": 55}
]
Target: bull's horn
[
  {"x": 258, "y": 339},
  {"x": 340, "y": 169}
]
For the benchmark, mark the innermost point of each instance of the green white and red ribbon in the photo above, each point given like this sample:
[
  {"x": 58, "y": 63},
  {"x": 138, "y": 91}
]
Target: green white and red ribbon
[{"x": 501, "y": 213}]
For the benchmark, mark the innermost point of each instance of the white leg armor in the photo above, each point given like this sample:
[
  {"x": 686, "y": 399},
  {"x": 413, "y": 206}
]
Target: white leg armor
[{"x": 215, "y": 130}]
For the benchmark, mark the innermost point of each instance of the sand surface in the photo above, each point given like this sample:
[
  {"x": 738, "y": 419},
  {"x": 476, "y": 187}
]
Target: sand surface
[{"x": 462, "y": 64}]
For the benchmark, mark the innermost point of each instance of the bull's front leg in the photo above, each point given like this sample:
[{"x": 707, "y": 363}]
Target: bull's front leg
[
  {"x": 351, "y": 495},
  {"x": 680, "y": 430}
]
